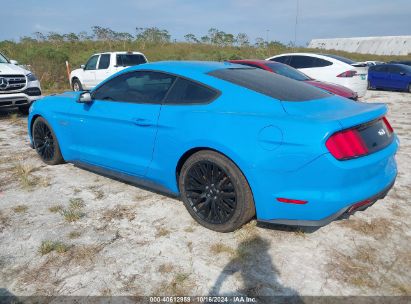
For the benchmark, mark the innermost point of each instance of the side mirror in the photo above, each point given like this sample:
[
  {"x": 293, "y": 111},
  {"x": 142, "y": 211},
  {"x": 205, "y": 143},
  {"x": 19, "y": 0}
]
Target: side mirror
[
  {"x": 402, "y": 73},
  {"x": 14, "y": 62},
  {"x": 83, "y": 66},
  {"x": 85, "y": 97}
]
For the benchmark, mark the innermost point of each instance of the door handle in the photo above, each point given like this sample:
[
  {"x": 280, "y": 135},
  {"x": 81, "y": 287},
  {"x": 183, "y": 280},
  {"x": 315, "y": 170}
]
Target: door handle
[{"x": 142, "y": 122}]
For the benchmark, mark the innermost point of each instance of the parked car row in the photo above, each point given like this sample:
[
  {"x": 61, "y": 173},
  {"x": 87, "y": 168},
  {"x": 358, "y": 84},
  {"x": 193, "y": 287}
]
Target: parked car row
[
  {"x": 328, "y": 68},
  {"x": 288, "y": 71},
  {"x": 232, "y": 141},
  {"x": 335, "y": 74}
]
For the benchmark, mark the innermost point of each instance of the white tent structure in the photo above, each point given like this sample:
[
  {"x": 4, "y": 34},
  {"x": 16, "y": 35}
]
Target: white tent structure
[{"x": 386, "y": 45}]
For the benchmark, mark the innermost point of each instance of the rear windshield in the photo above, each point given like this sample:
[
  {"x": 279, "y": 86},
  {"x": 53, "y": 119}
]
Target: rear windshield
[
  {"x": 340, "y": 58},
  {"x": 288, "y": 71},
  {"x": 130, "y": 59},
  {"x": 270, "y": 84}
]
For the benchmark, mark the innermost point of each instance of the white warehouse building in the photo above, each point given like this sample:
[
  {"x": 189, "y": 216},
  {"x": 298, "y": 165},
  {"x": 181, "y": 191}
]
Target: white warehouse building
[{"x": 386, "y": 45}]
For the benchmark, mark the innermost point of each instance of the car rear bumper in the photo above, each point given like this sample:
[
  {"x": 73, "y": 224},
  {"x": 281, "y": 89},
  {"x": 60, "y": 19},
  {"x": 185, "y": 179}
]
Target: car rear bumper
[
  {"x": 16, "y": 100},
  {"x": 355, "y": 84},
  {"x": 329, "y": 187},
  {"x": 342, "y": 213}
]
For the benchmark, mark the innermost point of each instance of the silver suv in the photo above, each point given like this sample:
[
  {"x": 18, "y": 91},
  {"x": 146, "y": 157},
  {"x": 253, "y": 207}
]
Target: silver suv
[{"x": 18, "y": 86}]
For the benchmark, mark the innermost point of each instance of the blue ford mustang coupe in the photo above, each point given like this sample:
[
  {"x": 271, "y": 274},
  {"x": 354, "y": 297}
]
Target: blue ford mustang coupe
[{"x": 232, "y": 141}]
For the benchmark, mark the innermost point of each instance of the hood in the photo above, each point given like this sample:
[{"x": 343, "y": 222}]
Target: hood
[
  {"x": 347, "y": 112},
  {"x": 333, "y": 88},
  {"x": 67, "y": 94},
  {"x": 77, "y": 70},
  {"x": 8, "y": 68}
]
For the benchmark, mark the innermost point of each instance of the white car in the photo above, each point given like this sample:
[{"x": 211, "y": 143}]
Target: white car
[
  {"x": 372, "y": 63},
  {"x": 18, "y": 86},
  {"x": 329, "y": 68},
  {"x": 102, "y": 65}
]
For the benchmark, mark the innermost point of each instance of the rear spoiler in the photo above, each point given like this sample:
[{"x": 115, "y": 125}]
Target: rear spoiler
[{"x": 359, "y": 65}]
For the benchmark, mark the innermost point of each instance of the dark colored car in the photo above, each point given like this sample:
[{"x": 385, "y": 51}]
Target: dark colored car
[
  {"x": 290, "y": 72},
  {"x": 390, "y": 76}
]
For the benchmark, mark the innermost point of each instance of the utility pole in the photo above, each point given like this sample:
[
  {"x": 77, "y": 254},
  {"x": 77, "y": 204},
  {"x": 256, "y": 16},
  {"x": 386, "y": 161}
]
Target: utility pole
[
  {"x": 296, "y": 23},
  {"x": 266, "y": 36}
]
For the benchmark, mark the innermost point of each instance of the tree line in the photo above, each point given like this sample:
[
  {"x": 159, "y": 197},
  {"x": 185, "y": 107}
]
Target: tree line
[{"x": 150, "y": 35}]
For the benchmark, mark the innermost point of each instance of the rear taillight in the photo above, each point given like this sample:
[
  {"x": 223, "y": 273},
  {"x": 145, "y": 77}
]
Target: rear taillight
[
  {"x": 346, "y": 144},
  {"x": 350, "y": 73},
  {"x": 388, "y": 125}
]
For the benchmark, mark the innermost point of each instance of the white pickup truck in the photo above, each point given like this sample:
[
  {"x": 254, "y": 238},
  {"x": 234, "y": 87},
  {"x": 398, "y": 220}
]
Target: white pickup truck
[
  {"x": 18, "y": 86},
  {"x": 102, "y": 65}
]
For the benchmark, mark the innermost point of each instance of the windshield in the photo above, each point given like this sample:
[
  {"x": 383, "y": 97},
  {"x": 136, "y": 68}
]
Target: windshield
[
  {"x": 340, "y": 58},
  {"x": 3, "y": 59},
  {"x": 130, "y": 59},
  {"x": 287, "y": 71}
]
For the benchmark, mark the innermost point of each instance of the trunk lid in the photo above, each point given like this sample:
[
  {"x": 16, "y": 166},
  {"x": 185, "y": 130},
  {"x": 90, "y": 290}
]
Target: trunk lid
[
  {"x": 363, "y": 129},
  {"x": 347, "y": 112}
]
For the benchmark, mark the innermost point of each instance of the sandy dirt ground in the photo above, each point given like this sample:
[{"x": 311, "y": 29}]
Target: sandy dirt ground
[{"x": 66, "y": 231}]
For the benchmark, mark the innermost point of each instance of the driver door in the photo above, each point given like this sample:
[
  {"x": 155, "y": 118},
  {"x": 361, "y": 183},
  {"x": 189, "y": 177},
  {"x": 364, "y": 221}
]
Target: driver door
[
  {"x": 117, "y": 130},
  {"x": 89, "y": 75}
]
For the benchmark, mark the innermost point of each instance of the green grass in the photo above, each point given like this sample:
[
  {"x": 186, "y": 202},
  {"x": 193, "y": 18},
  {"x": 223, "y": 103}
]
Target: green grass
[
  {"x": 56, "y": 209},
  {"x": 74, "y": 212},
  {"x": 71, "y": 215},
  {"x": 49, "y": 246},
  {"x": 76, "y": 203},
  {"x": 20, "y": 209},
  {"x": 74, "y": 234}
]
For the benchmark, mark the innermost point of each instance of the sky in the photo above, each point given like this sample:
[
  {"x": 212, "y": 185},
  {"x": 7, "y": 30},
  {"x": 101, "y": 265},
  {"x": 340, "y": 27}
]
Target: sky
[{"x": 275, "y": 19}]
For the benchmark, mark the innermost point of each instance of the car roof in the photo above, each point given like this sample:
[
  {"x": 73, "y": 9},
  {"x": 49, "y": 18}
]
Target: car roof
[
  {"x": 321, "y": 56},
  {"x": 302, "y": 54},
  {"x": 260, "y": 61},
  {"x": 120, "y": 52},
  {"x": 178, "y": 67}
]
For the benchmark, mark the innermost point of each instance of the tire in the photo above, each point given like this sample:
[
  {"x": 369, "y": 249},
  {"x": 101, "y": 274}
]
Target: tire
[
  {"x": 369, "y": 87},
  {"x": 76, "y": 84},
  {"x": 24, "y": 109},
  {"x": 215, "y": 192},
  {"x": 45, "y": 142},
  {"x": 409, "y": 88}
]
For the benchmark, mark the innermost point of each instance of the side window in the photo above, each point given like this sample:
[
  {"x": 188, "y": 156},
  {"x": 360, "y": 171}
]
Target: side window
[
  {"x": 129, "y": 59},
  {"x": 282, "y": 59},
  {"x": 318, "y": 63},
  {"x": 394, "y": 69},
  {"x": 302, "y": 62},
  {"x": 92, "y": 63},
  {"x": 136, "y": 87},
  {"x": 188, "y": 92},
  {"x": 104, "y": 62},
  {"x": 384, "y": 68},
  {"x": 375, "y": 68}
]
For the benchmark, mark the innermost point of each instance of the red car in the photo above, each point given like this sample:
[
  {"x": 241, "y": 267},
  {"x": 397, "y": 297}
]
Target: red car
[{"x": 287, "y": 71}]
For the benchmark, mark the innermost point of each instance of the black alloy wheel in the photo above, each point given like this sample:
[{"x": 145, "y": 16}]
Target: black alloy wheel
[
  {"x": 210, "y": 192},
  {"x": 215, "y": 191},
  {"x": 45, "y": 142}
]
